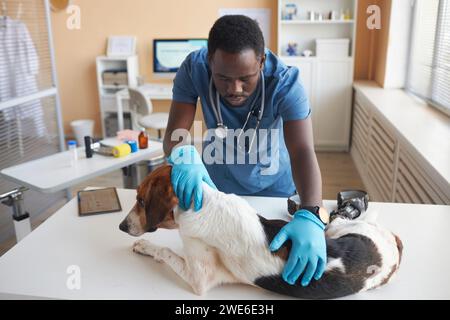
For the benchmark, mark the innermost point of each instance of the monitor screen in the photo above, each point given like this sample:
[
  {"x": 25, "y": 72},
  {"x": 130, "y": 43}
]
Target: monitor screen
[{"x": 168, "y": 55}]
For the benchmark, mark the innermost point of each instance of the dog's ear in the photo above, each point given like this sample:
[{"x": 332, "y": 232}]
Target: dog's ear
[{"x": 160, "y": 198}]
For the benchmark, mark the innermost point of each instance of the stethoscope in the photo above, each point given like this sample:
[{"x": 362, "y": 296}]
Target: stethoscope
[{"x": 221, "y": 130}]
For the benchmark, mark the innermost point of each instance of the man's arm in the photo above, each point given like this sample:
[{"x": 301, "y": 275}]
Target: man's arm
[
  {"x": 299, "y": 141},
  {"x": 187, "y": 172},
  {"x": 308, "y": 254},
  {"x": 181, "y": 117}
]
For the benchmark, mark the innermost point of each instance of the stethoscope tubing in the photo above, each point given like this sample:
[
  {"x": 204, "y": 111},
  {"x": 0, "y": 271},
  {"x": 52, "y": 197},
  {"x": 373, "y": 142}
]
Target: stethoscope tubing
[{"x": 216, "y": 105}]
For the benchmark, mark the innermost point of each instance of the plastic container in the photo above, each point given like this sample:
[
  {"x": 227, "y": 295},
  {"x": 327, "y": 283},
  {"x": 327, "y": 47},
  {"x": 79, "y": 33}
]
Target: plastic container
[
  {"x": 121, "y": 150},
  {"x": 82, "y": 128},
  {"x": 332, "y": 48},
  {"x": 72, "y": 147},
  {"x": 134, "y": 146}
]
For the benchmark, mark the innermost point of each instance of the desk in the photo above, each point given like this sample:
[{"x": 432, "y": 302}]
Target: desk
[
  {"x": 37, "y": 266},
  {"x": 152, "y": 91},
  {"x": 54, "y": 173}
]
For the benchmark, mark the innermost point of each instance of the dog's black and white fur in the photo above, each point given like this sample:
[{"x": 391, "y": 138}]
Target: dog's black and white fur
[{"x": 227, "y": 242}]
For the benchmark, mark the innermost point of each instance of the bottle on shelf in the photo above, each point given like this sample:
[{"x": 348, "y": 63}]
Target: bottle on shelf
[
  {"x": 143, "y": 139},
  {"x": 348, "y": 15},
  {"x": 72, "y": 147}
]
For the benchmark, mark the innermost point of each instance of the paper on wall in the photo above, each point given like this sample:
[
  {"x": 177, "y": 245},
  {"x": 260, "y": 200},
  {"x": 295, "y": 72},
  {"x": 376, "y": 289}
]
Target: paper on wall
[{"x": 260, "y": 15}]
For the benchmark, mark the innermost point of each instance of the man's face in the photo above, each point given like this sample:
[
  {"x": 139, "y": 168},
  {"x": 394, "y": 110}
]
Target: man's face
[{"x": 236, "y": 75}]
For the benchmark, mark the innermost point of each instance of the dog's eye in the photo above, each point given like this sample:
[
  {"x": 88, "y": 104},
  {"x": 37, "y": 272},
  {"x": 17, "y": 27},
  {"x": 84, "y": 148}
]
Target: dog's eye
[{"x": 141, "y": 203}]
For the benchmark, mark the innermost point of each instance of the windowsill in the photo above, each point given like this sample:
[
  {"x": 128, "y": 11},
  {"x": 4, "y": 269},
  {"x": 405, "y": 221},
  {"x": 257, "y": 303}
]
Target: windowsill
[{"x": 426, "y": 129}]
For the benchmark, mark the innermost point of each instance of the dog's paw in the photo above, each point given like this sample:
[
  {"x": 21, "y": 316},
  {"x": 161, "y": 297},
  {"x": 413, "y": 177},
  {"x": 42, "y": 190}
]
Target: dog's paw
[
  {"x": 140, "y": 245},
  {"x": 147, "y": 248}
]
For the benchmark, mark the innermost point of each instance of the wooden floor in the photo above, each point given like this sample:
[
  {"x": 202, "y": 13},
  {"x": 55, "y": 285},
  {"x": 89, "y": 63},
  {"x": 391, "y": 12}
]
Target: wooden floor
[{"x": 338, "y": 173}]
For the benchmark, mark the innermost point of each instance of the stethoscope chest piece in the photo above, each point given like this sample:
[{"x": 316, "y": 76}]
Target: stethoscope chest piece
[{"x": 221, "y": 132}]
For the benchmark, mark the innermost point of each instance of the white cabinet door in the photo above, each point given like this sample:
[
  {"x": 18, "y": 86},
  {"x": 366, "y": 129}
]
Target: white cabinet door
[
  {"x": 328, "y": 85},
  {"x": 332, "y": 104},
  {"x": 306, "y": 68},
  {"x": 307, "y": 71},
  {"x": 306, "y": 76}
]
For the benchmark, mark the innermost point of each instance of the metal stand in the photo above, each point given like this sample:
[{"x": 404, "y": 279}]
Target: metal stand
[
  {"x": 21, "y": 218},
  {"x": 134, "y": 174}
]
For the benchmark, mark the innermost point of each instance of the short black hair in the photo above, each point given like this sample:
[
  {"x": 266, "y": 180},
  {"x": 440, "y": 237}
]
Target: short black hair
[{"x": 234, "y": 34}]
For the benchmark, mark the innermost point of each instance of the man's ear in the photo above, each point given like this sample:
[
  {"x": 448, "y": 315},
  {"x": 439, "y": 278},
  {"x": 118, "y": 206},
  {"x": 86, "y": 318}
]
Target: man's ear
[{"x": 263, "y": 61}]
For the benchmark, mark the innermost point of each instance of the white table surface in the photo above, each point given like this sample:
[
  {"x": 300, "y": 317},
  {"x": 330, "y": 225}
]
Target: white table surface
[
  {"x": 54, "y": 173},
  {"x": 37, "y": 266}
]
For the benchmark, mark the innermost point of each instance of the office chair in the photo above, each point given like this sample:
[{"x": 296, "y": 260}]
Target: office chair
[{"x": 142, "y": 113}]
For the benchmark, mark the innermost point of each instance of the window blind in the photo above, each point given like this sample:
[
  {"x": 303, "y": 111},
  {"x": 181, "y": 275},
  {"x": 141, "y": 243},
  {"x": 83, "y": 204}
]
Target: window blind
[
  {"x": 30, "y": 117},
  {"x": 429, "y": 65},
  {"x": 440, "y": 88}
]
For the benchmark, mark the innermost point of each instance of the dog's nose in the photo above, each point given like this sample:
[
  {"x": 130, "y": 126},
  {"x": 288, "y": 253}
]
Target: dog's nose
[{"x": 124, "y": 226}]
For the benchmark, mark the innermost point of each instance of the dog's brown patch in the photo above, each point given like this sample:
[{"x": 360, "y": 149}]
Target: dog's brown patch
[
  {"x": 396, "y": 267},
  {"x": 141, "y": 214},
  {"x": 399, "y": 247},
  {"x": 391, "y": 273},
  {"x": 168, "y": 222},
  {"x": 159, "y": 198}
]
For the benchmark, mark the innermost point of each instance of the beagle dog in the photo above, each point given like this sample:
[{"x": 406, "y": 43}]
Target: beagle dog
[{"x": 228, "y": 242}]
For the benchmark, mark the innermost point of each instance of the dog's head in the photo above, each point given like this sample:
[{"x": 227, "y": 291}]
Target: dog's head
[{"x": 154, "y": 206}]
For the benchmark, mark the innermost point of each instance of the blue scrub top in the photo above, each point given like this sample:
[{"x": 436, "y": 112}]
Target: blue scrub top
[{"x": 285, "y": 100}]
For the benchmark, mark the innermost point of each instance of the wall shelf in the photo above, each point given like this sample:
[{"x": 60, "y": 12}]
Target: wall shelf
[
  {"x": 107, "y": 92},
  {"x": 327, "y": 79},
  {"x": 311, "y": 58},
  {"x": 111, "y": 86},
  {"x": 287, "y": 22}
]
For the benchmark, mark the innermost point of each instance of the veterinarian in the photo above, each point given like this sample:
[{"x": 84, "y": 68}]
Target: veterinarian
[{"x": 243, "y": 85}]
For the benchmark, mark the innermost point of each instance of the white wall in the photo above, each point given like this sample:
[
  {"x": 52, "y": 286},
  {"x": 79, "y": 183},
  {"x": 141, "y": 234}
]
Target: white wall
[{"x": 398, "y": 44}]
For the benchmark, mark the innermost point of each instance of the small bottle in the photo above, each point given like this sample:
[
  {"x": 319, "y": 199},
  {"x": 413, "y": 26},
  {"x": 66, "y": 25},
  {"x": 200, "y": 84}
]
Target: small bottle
[
  {"x": 143, "y": 139},
  {"x": 72, "y": 146},
  {"x": 348, "y": 15}
]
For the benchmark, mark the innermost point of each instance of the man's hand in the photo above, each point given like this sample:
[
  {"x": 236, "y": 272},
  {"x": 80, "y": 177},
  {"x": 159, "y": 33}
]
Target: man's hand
[
  {"x": 308, "y": 252},
  {"x": 188, "y": 173}
]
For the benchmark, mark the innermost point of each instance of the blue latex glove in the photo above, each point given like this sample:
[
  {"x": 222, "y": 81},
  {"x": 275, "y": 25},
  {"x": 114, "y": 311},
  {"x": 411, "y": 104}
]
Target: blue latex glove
[
  {"x": 308, "y": 251},
  {"x": 188, "y": 172}
]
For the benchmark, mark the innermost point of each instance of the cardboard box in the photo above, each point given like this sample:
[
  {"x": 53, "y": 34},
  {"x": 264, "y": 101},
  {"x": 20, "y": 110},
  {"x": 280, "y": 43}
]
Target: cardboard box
[
  {"x": 332, "y": 48},
  {"x": 115, "y": 77}
]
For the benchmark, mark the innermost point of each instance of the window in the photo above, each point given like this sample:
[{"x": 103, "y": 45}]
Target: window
[{"x": 429, "y": 65}]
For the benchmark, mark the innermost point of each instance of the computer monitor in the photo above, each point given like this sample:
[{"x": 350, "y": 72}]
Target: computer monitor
[{"x": 169, "y": 54}]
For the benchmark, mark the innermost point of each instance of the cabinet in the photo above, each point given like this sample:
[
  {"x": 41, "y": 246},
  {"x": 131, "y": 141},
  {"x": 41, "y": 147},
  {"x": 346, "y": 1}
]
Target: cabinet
[
  {"x": 327, "y": 79},
  {"x": 107, "y": 91},
  {"x": 332, "y": 103},
  {"x": 328, "y": 84},
  {"x": 390, "y": 166}
]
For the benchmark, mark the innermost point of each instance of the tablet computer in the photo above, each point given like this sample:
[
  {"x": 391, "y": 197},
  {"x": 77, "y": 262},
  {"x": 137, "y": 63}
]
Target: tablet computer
[{"x": 98, "y": 201}]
